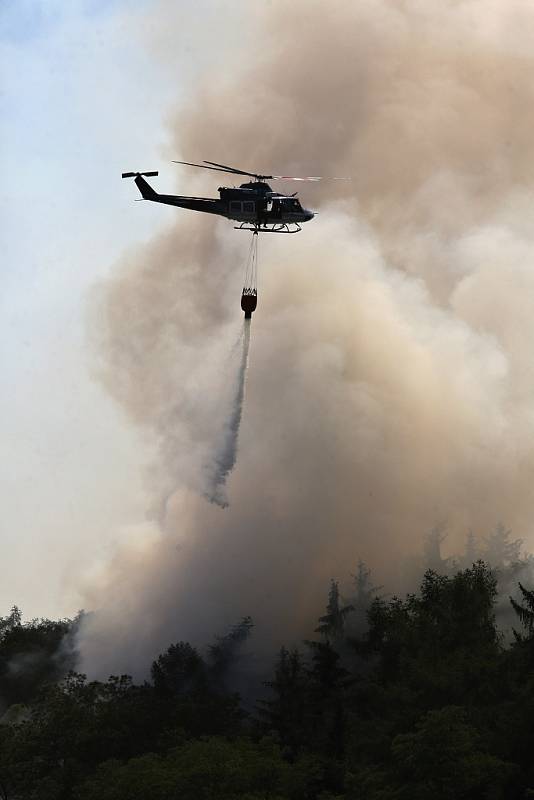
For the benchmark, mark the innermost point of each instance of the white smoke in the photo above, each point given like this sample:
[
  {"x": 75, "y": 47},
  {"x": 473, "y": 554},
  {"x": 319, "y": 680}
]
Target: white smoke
[{"x": 391, "y": 385}]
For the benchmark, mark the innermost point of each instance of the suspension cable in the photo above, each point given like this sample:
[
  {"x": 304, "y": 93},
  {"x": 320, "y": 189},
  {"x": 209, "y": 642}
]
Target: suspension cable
[
  {"x": 249, "y": 296},
  {"x": 251, "y": 268}
]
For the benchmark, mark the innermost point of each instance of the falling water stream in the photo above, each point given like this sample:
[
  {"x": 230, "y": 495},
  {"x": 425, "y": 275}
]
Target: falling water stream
[{"x": 225, "y": 456}]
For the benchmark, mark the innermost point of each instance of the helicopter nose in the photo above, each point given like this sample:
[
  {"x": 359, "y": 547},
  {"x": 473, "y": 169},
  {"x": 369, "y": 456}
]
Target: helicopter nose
[{"x": 308, "y": 215}]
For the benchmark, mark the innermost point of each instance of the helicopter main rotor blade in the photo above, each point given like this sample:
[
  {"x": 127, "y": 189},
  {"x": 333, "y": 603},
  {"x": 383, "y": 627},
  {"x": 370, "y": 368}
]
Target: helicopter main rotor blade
[
  {"x": 222, "y": 168},
  {"x": 308, "y": 178},
  {"x": 237, "y": 171},
  {"x": 213, "y": 165},
  {"x": 202, "y": 166}
]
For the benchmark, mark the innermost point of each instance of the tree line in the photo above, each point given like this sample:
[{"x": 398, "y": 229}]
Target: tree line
[{"x": 394, "y": 698}]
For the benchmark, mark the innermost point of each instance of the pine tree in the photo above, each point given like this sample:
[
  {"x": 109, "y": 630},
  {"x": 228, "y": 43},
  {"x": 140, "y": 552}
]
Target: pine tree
[
  {"x": 178, "y": 670},
  {"x": 287, "y": 712},
  {"x": 365, "y": 591},
  {"x": 333, "y": 622},
  {"x": 471, "y": 550},
  {"x": 328, "y": 681},
  {"x": 432, "y": 549},
  {"x": 525, "y": 612},
  {"x": 226, "y": 649},
  {"x": 13, "y": 620},
  {"x": 500, "y": 550},
  {"x": 362, "y": 599}
]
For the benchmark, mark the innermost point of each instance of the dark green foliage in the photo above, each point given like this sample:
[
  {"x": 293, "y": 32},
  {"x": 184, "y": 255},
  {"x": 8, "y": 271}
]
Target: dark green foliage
[
  {"x": 226, "y": 649},
  {"x": 525, "y": 612},
  {"x": 74, "y": 726},
  {"x": 440, "y": 759},
  {"x": 77, "y": 725},
  {"x": 443, "y": 710},
  {"x": 207, "y": 769},
  {"x": 288, "y": 712},
  {"x": 32, "y": 654},
  {"x": 523, "y": 650},
  {"x": 179, "y": 670},
  {"x": 449, "y": 614},
  {"x": 190, "y": 692}
]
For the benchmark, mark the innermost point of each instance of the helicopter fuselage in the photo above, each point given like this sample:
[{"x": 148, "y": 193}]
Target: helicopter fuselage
[{"x": 251, "y": 204}]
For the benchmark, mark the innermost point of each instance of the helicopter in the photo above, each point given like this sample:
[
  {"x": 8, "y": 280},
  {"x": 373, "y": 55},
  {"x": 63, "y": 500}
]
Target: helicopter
[{"x": 253, "y": 205}]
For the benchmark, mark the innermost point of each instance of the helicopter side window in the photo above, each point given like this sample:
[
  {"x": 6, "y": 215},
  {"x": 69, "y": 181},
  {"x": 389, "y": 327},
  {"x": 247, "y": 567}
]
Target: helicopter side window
[
  {"x": 248, "y": 207},
  {"x": 290, "y": 205},
  {"x": 235, "y": 206}
]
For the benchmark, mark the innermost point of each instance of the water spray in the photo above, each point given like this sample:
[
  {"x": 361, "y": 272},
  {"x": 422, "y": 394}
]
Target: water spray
[{"x": 226, "y": 455}]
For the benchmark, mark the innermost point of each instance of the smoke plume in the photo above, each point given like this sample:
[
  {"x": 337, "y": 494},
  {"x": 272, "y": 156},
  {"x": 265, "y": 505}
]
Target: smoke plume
[{"x": 392, "y": 380}]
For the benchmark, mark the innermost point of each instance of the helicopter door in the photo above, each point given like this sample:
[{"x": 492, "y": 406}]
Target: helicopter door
[
  {"x": 235, "y": 207},
  {"x": 249, "y": 207},
  {"x": 277, "y": 209}
]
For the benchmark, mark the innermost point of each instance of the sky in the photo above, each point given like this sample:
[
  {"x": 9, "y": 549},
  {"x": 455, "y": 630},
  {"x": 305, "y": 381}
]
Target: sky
[{"x": 390, "y": 382}]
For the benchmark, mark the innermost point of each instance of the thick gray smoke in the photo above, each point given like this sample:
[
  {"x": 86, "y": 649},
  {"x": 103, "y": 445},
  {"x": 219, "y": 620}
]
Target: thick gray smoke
[
  {"x": 224, "y": 458},
  {"x": 392, "y": 380}
]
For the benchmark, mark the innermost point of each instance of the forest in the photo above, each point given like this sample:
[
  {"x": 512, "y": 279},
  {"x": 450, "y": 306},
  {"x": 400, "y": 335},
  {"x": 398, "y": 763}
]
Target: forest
[{"x": 425, "y": 695}]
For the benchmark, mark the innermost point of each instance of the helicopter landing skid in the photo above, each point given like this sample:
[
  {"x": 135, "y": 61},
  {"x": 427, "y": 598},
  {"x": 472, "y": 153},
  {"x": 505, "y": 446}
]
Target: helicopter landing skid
[{"x": 275, "y": 227}]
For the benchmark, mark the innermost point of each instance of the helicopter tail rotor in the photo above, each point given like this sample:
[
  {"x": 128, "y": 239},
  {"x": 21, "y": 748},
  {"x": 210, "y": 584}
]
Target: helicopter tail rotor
[
  {"x": 147, "y": 192},
  {"x": 137, "y": 174}
]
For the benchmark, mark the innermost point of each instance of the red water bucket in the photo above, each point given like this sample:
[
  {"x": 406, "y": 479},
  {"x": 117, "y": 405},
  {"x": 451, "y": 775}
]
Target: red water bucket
[{"x": 249, "y": 301}]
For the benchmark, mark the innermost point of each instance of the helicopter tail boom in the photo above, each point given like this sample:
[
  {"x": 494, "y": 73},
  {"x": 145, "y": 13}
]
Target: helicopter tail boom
[{"x": 147, "y": 192}]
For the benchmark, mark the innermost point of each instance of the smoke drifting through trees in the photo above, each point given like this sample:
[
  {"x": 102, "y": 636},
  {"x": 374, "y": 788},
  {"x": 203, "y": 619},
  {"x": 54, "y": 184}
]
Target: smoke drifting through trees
[{"x": 391, "y": 385}]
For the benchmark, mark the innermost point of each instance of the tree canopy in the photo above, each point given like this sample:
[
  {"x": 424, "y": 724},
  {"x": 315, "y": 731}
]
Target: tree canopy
[{"x": 426, "y": 700}]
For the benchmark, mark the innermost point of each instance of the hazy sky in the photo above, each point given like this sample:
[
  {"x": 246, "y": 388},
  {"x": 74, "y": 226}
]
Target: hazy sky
[{"x": 81, "y": 101}]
